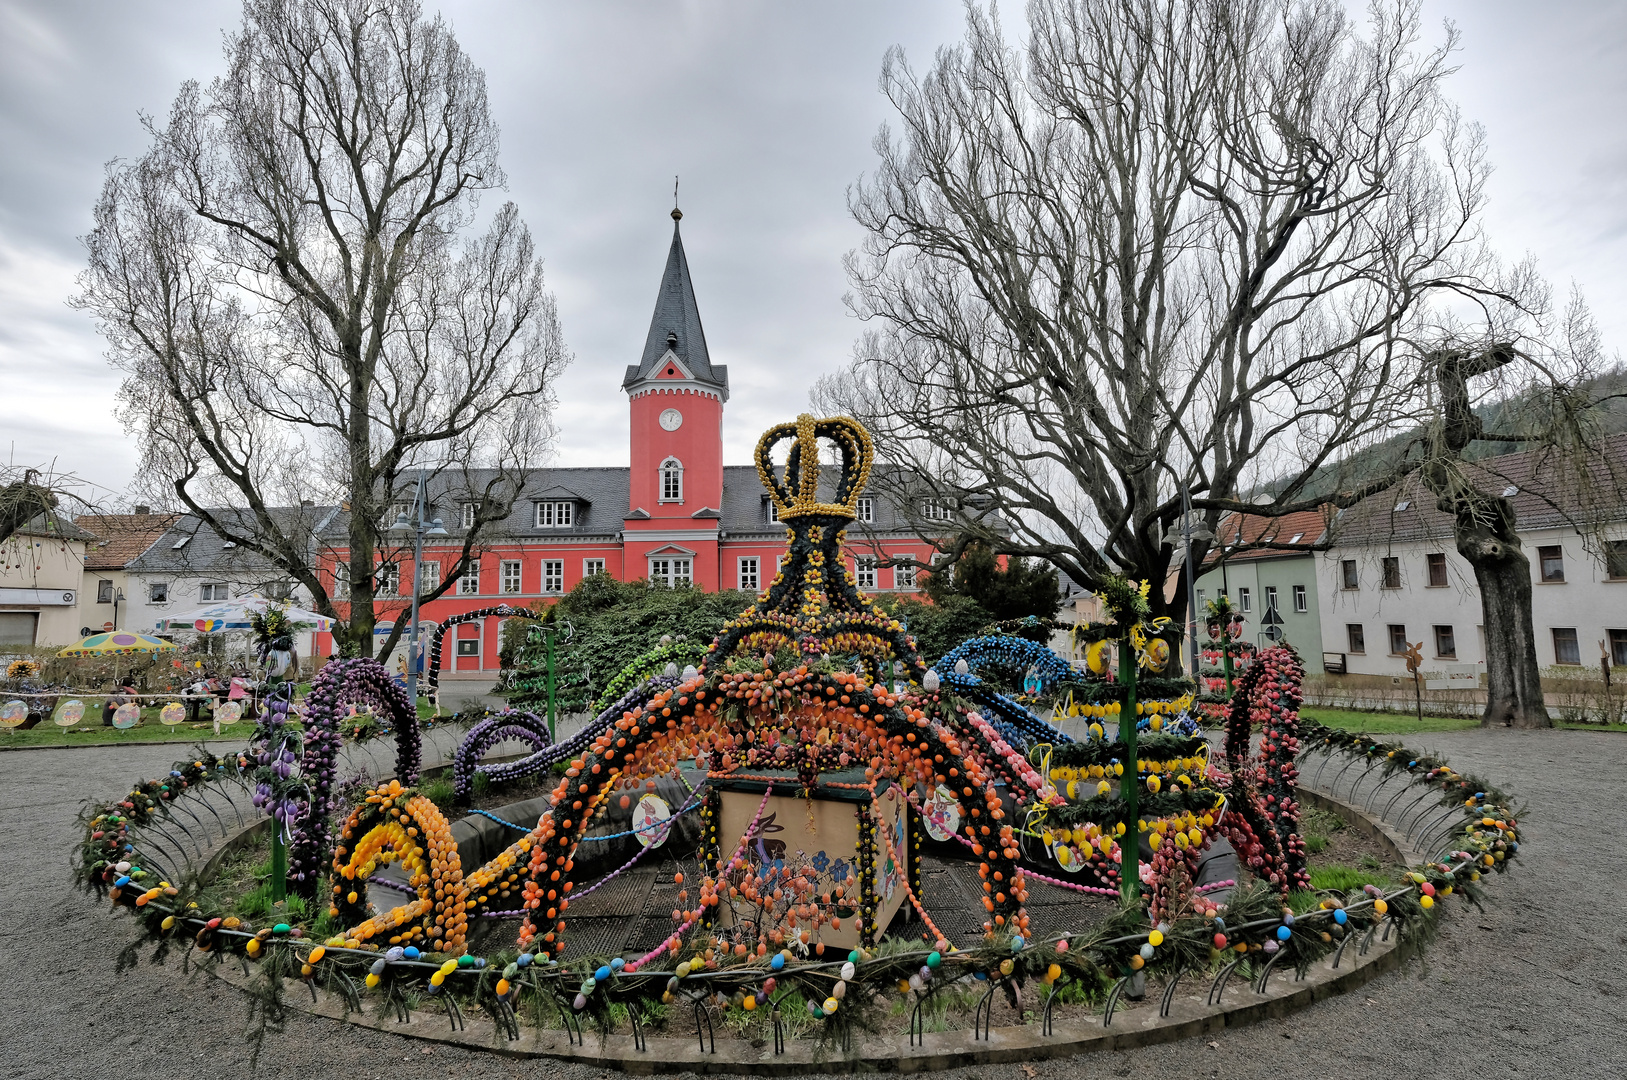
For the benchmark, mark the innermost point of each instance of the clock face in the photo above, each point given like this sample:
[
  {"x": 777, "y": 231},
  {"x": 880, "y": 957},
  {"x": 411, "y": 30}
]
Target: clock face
[{"x": 671, "y": 418}]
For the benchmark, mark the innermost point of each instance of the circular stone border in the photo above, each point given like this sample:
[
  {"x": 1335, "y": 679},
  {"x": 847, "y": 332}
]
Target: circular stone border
[{"x": 1189, "y": 1016}]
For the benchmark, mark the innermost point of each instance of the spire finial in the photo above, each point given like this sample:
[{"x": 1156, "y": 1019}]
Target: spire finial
[{"x": 677, "y": 214}]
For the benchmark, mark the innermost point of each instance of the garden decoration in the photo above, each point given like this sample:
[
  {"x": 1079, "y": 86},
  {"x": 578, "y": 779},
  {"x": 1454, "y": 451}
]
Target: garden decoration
[
  {"x": 273, "y": 628},
  {"x": 793, "y": 714},
  {"x": 437, "y": 640},
  {"x": 510, "y": 724},
  {"x": 531, "y": 681},
  {"x": 360, "y": 681}
]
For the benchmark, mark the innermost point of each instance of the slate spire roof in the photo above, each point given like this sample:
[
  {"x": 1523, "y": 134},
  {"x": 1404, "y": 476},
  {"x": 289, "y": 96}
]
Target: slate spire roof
[{"x": 676, "y": 324}]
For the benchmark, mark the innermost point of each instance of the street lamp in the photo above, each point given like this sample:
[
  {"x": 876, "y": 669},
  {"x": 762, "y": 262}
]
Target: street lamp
[{"x": 420, "y": 529}]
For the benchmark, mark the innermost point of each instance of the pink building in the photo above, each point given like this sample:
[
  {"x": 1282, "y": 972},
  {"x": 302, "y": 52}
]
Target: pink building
[{"x": 677, "y": 515}]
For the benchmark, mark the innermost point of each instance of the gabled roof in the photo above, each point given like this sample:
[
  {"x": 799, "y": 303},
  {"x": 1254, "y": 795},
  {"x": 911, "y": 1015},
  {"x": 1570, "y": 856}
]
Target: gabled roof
[
  {"x": 120, "y": 537},
  {"x": 55, "y": 526},
  {"x": 1543, "y": 496},
  {"x": 1300, "y": 530},
  {"x": 676, "y": 325},
  {"x": 189, "y": 546}
]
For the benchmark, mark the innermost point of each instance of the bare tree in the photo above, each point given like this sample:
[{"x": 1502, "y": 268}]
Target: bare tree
[
  {"x": 1544, "y": 402},
  {"x": 290, "y": 279},
  {"x": 1168, "y": 243}
]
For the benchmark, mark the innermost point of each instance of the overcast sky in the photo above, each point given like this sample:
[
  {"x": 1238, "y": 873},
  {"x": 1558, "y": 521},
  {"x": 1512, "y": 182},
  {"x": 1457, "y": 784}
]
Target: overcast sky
[{"x": 767, "y": 112}]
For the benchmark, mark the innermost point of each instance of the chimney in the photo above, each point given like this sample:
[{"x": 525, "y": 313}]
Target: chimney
[
  {"x": 306, "y": 504},
  {"x": 143, "y": 509}
]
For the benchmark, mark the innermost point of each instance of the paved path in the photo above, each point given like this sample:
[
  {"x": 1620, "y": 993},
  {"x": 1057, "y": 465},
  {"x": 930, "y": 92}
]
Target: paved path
[{"x": 1531, "y": 987}]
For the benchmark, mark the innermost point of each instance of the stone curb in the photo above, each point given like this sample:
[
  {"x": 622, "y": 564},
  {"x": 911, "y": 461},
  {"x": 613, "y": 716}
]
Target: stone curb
[{"x": 1190, "y": 1016}]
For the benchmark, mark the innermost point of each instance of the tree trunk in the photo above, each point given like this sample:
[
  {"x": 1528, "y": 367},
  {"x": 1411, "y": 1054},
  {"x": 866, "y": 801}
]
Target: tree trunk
[{"x": 1501, "y": 569}]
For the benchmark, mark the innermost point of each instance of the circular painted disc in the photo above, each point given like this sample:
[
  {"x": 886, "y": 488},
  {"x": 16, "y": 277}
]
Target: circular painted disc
[
  {"x": 649, "y": 817},
  {"x": 127, "y": 715},
  {"x": 70, "y": 713},
  {"x": 172, "y": 714},
  {"x": 1075, "y": 863},
  {"x": 13, "y": 713},
  {"x": 941, "y": 814},
  {"x": 229, "y": 712}
]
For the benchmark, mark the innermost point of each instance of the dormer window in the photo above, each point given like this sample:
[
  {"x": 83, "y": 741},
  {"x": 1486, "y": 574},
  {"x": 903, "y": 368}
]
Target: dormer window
[
  {"x": 865, "y": 508},
  {"x": 672, "y": 480},
  {"x": 772, "y": 509},
  {"x": 555, "y": 515}
]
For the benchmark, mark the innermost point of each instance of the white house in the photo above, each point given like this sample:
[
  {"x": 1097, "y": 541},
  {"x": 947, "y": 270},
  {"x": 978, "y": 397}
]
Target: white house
[
  {"x": 41, "y": 568},
  {"x": 189, "y": 566},
  {"x": 1393, "y": 577}
]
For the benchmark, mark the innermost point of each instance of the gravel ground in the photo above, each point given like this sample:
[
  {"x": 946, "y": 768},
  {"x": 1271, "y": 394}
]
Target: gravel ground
[{"x": 1530, "y": 987}]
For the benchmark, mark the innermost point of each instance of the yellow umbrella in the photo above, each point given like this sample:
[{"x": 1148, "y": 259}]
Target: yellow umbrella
[{"x": 118, "y": 643}]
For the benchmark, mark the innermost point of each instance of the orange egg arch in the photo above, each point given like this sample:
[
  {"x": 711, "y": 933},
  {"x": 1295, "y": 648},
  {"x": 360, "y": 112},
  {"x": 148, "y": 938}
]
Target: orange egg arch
[
  {"x": 814, "y": 607},
  {"x": 393, "y": 824}
]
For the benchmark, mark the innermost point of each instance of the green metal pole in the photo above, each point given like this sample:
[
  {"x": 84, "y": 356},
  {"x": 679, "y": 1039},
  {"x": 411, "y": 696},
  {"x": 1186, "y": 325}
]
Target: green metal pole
[
  {"x": 1226, "y": 660},
  {"x": 1130, "y": 783},
  {"x": 548, "y": 633},
  {"x": 279, "y": 863}
]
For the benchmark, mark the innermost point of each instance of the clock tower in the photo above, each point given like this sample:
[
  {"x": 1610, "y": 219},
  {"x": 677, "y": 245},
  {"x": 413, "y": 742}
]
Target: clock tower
[{"x": 676, "y": 396}]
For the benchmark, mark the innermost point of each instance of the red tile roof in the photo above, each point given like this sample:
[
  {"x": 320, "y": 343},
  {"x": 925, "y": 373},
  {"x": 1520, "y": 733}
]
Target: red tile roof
[
  {"x": 1300, "y": 530},
  {"x": 120, "y": 537}
]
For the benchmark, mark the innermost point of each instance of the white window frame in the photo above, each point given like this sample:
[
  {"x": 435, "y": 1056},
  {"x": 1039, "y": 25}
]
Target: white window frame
[
  {"x": 1302, "y": 601},
  {"x": 670, "y": 470},
  {"x": 934, "y": 510},
  {"x": 592, "y": 566},
  {"x": 467, "y": 515},
  {"x": 673, "y": 570},
  {"x": 904, "y": 576},
  {"x": 429, "y": 576},
  {"x": 864, "y": 571},
  {"x": 153, "y": 590},
  {"x": 207, "y": 593},
  {"x": 1245, "y": 599},
  {"x": 750, "y": 575},
  {"x": 554, "y": 514},
  {"x": 773, "y": 510},
  {"x": 341, "y": 580},
  {"x": 865, "y": 507},
  {"x": 387, "y": 579},
  {"x": 553, "y": 576},
  {"x": 510, "y": 577},
  {"x": 1271, "y": 598},
  {"x": 395, "y": 512},
  {"x": 469, "y": 580}
]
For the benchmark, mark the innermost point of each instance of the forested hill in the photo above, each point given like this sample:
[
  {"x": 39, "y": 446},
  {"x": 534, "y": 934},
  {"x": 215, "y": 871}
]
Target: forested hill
[{"x": 1383, "y": 457}]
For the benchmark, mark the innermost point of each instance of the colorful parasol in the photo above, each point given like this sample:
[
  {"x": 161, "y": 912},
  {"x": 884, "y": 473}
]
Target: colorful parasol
[
  {"x": 118, "y": 643},
  {"x": 234, "y": 615}
]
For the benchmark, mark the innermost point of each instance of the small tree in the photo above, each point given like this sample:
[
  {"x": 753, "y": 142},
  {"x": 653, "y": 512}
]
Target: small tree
[
  {"x": 1016, "y": 590},
  {"x": 288, "y": 280}
]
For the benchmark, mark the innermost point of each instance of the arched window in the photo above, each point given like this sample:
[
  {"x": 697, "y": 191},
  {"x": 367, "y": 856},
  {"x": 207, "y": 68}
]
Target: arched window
[{"x": 672, "y": 480}]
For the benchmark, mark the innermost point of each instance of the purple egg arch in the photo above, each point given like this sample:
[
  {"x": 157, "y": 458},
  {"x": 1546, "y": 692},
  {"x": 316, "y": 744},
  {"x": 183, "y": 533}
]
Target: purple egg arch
[
  {"x": 359, "y": 681},
  {"x": 501, "y": 611},
  {"x": 508, "y": 724}
]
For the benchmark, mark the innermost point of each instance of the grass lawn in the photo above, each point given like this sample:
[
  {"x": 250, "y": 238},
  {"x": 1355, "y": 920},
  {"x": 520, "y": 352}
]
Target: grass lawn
[
  {"x": 1386, "y": 723},
  {"x": 90, "y": 731},
  {"x": 1397, "y": 724},
  {"x": 149, "y": 730}
]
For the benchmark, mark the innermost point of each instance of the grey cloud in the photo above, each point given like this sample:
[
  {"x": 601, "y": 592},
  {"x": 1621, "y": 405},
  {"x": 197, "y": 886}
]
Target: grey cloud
[{"x": 766, "y": 110}]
